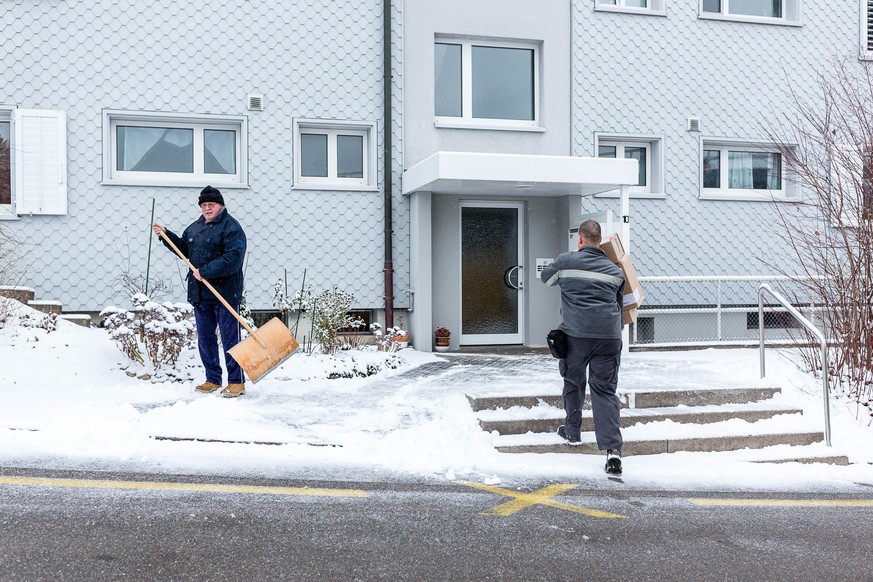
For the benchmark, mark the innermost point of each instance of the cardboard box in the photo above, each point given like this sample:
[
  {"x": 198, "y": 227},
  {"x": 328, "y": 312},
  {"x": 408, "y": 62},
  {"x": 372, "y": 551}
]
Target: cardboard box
[
  {"x": 613, "y": 248},
  {"x": 633, "y": 293},
  {"x": 629, "y": 316}
]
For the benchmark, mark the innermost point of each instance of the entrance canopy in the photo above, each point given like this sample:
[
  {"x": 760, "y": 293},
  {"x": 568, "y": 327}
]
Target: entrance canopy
[{"x": 478, "y": 174}]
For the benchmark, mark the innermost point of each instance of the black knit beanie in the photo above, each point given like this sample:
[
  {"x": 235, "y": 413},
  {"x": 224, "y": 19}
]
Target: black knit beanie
[{"x": 210, "y": 194}]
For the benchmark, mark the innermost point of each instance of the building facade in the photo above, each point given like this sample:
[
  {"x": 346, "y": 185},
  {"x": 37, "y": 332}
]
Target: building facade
[{"x": 508, "y": 124}]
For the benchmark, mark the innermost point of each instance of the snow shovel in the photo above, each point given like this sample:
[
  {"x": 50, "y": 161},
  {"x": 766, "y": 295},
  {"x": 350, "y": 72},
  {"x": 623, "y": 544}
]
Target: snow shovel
[{"x": 265, "y": 348}]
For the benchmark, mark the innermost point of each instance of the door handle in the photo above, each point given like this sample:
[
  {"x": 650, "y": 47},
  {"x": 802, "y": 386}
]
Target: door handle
[{"x": 507, "y": 280}]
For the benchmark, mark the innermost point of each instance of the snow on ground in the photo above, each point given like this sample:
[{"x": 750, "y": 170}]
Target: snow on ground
[{"x": 68, "y": 402}]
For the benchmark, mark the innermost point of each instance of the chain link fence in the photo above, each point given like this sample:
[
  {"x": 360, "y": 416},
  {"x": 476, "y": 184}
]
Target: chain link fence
[{"x": 686, "y": 311}]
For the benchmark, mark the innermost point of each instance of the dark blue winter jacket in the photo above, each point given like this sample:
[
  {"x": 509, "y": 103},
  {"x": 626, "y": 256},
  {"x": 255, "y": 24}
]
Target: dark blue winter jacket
[
  {"x": 217, "y": 248},
  {"x": 591, "y": 293}
]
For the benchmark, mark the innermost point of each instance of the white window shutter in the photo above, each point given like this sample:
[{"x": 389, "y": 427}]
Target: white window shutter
[{"x": 39, "y": 161}]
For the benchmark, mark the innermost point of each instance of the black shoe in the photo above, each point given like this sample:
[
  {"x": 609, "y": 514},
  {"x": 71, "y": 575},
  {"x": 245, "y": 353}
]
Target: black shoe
[
  {"x": 562, "y": 432},
  {"x": 613, "y": 462}
]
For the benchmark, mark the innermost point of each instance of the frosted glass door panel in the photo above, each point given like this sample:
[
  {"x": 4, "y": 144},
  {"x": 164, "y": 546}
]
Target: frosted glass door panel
[{"x": 489, "y": 248}]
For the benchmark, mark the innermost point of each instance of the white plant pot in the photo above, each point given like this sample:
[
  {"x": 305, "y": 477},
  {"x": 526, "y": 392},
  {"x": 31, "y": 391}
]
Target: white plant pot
[{"x": 441, "y": 348}]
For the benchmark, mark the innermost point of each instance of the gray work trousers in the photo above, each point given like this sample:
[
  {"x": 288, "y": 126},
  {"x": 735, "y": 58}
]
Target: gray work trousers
[{"x": 601, "y": 359}]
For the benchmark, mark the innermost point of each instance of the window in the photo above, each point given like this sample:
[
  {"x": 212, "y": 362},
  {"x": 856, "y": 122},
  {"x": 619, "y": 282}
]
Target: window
[
  {"x": 646, "y": 150},
  {"x": 772, "y": 320},
  {"x": 771, "y": 11},
  {"x": 33, "y": 162},
  {"x": 739, "y": 171},
  {"x": 866, "y": 29},
  {"x": 481, "y": 84},
  {"x": 637, "y": 6},
  {"x": 168, "y": 149},
  {"x": 334, "y": 154}
]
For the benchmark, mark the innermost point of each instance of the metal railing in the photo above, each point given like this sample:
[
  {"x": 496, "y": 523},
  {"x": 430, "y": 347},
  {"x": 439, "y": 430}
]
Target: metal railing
[{"x": 764, "y": 288}]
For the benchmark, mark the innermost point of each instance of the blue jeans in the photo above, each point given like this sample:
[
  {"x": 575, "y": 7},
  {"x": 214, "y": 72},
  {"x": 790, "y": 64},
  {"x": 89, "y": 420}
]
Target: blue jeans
[
  {"x": 208, "y": 317},
  {"x": 600, "y": 358}
]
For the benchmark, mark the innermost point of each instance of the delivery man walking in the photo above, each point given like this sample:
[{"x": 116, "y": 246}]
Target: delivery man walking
[{"x": 591, "y": 317}]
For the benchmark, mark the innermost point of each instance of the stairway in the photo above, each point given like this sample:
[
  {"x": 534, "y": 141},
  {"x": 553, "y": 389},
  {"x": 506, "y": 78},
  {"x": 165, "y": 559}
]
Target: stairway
[
  {"x": 701, "y": 419},
  {"x": 27, "y": 296}
]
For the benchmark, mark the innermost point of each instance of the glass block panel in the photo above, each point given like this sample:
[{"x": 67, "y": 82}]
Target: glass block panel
[
  {"x": 154, "y": 149},
  {"x": 489, "y": 246},
  {"x": 447, "y": 80},
  {"x": 350, "y": 156},
  {"x": 503, "y": 83},
  {"x": 313, "y": 155},
  {"x": 219, "y": 151}
]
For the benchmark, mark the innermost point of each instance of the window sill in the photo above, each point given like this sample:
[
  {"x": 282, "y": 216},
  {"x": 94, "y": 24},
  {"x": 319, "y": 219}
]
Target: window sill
[
  {"x": 625, "y": 10},
  {"x": 335, "y": 187},
  {"x": 7, "y": 214},
  {"x": 750, "y": 19},
  {"x": 491, "y": 126},
  {"x": 637, "y": 195},
  {"x": 743, "y": 196},
  {"x": 176, "y": 184}
]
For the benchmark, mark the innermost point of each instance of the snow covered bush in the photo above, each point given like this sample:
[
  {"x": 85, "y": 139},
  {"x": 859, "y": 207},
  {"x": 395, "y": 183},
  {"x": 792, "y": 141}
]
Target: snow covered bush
[
  {"x": 158, "y": 331},
  {"x": 46, "y": 321},
  {"x": 330, "y": 315},
  {"x": 389, "y": 341}
]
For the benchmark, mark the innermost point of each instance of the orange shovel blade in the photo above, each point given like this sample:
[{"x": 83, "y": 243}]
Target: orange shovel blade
[{"x": 270, "y": 345}]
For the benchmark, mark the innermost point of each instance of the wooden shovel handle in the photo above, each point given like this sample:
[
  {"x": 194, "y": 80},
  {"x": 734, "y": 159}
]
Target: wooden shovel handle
[{"x": 242, "y": 321}]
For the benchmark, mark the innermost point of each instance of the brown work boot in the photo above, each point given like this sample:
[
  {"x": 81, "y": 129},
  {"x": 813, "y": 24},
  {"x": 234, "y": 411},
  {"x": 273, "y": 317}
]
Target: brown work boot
[
  {"x": 207, "y": 387},
  {"x": 234, "y": 390}
]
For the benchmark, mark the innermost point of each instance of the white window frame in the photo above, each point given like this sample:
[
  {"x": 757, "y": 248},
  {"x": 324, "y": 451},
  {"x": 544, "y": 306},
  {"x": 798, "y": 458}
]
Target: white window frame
[
  {"x": 467, "y": 121},
  {"x": 865, "y": 20},
  {"x": 791, "y": 14},
  {"x": 332, "y": 128},
  {"x": 38, "y": 162},
  {"x": 113, "y": 118},
  {"x": 654, "y": 166},
  {"x": 653, "y": 8},
  {"x": 788, "y": 192}
]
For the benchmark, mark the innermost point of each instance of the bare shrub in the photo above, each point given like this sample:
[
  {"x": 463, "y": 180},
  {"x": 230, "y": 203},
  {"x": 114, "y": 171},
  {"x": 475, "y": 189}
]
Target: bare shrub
[{"x": 830, "y": 232}]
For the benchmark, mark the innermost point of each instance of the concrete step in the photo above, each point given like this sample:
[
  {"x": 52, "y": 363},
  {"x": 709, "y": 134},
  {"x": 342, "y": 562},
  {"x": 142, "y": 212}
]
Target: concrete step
[
  {"x": 82, "y": 319},
  {"x": 21, "y": 294},
  {"x": 544, "y": 418},
  {"x": 552, "y": 443},
  {"x": 46, "y": 306},
  {"x": 636, "y": 398}
]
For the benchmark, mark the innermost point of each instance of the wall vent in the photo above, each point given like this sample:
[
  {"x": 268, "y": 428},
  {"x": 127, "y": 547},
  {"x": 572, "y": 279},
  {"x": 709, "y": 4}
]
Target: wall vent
[
  {"x": 256, "y": 102},
  {"x": 693, "y": 124}
]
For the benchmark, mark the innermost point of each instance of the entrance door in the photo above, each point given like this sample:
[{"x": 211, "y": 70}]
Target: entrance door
[{"x": 492, "y": 281}]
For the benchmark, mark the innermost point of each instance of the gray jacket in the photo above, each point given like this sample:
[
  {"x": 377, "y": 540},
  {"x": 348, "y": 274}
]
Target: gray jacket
[{"x": 591, "y": 293}]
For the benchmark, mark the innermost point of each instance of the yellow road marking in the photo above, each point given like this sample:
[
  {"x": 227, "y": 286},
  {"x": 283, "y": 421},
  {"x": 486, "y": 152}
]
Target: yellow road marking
[
  {"x": 539, "y": 497},
  {"x": 784, "y": 502},
  {"x": 167, "y": 486}
]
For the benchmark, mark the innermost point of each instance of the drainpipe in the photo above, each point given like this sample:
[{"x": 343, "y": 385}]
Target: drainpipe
[{"x": 387, "y": 173}]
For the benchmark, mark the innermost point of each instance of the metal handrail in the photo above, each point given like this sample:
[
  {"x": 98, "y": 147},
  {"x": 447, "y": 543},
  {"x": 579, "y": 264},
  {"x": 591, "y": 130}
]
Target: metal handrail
[{"x": 811, "y": 329}]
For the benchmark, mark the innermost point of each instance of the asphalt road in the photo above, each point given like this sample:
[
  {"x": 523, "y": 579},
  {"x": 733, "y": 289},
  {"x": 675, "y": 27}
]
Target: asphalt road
[{"x": 103, "y": 526}]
